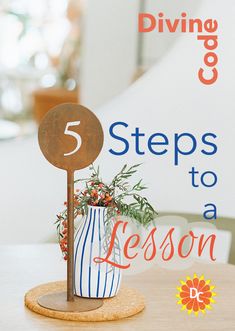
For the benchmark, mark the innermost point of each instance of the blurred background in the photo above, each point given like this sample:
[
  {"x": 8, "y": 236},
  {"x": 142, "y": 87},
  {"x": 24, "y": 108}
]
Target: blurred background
[
  {"x": 90, "y": 52},
  {"x": 47, "y": 52},
  {"x": 40, "y": 49}
]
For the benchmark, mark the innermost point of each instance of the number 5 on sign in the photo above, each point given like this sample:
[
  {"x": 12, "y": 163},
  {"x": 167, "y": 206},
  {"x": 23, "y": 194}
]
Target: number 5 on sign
[
  {"x": 73, "y": 134},
  {"x": 70, "y": 137}
]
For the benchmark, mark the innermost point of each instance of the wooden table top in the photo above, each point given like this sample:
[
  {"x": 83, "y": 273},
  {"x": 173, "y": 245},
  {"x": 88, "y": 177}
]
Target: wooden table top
[{"x": 26, "y": 266}]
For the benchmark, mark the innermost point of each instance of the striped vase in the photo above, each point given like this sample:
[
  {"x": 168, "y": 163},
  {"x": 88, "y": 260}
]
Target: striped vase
[{"x": 95, "y": 280}]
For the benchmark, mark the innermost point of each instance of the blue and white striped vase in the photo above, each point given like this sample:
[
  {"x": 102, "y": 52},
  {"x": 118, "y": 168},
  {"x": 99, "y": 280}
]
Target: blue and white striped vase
[{"x": 95, "y": 280}]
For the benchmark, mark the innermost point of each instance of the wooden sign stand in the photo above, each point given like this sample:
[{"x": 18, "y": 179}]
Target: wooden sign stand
[{"x": 70, "y": 137}]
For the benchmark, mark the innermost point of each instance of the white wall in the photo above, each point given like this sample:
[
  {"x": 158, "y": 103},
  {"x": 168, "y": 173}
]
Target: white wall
[
  {"x": 109, "y": 49},
  {"x": 110, "y": 44},
  {"x": 156, "y": 45},
  {"x": 171, "y": 99}
]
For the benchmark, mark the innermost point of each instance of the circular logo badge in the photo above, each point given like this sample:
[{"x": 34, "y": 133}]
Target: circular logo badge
[{"x": 195, "y": 295}]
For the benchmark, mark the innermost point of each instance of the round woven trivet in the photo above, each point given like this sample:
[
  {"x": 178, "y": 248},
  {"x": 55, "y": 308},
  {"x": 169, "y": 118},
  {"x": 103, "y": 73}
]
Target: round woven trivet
[{"x": 127, "y": 303}]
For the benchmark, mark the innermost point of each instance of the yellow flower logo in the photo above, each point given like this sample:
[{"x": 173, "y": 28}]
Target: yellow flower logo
[{"x": 195, "y": 295}]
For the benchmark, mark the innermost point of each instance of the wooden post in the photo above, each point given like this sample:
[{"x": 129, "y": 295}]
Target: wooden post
[{"x": 70, "y": 238}]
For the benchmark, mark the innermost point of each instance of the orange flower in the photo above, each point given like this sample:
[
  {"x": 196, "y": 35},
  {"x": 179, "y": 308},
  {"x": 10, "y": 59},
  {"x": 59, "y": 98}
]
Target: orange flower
[{"x": 94, "y": 193}]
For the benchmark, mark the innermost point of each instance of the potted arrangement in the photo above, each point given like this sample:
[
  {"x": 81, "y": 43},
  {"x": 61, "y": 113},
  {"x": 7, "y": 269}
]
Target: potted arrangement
[{"x": 99, "y": 206}]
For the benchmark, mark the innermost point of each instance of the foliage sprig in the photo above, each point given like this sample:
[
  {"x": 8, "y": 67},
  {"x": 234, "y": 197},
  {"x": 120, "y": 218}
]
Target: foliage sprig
[{"x": 119, "y": 198}]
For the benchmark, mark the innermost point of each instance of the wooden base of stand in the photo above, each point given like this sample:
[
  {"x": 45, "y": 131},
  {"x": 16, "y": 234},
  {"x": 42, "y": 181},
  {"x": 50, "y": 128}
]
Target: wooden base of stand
[
  {"x": 127, "y": 303},
  {"x": 58, "y": 301}
]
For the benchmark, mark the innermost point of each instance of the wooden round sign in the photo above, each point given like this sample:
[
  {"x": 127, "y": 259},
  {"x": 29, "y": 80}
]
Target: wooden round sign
[{"x": 70, "y": 137}]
